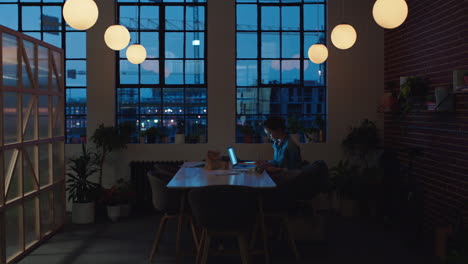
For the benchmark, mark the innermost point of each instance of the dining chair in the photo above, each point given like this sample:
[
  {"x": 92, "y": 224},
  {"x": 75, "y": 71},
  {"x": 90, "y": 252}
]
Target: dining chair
[
  {"x": 224, "y": 210},
  {"x": 291, "y": 196},
  {"x": 168, "y": 202}
]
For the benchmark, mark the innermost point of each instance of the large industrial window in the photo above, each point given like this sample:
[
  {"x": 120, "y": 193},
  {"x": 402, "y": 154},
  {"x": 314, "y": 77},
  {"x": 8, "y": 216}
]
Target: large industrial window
[
  {"x": 167, "y": 92},
  {"x": 43, "y": 20},
  {"x": 274, "y": 75}
]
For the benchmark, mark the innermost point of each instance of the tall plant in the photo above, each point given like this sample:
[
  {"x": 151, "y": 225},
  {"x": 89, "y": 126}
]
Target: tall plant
[
  {"x": 361, "y": 142},
  {"x": 109, "y": 139},
  {"x": 79, "y": 188}
]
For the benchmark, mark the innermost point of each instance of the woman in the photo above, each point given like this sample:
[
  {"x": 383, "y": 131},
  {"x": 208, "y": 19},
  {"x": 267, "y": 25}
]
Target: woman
[{"x": 287, "y": 154}]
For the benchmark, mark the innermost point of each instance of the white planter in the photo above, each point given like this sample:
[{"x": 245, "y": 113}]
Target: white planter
[
  {"x": 180, "y": 138},
  {"x": 83, "y": 213},
  {"x": 125, "y": 210},
  {"x": 113, "y": 212}
]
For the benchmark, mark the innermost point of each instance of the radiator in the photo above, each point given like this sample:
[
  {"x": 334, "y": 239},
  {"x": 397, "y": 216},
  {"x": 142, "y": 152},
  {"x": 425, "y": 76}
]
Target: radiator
[{"x": 138, "y": 172}]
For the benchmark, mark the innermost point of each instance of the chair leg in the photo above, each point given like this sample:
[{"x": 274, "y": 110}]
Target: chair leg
[
  {"x": 199, "y": 247},
  {"x": 194, "y": 232},
  {"x": 244, "y": 248},
  {"x": 162, "y": 226},
  {"x": 206, "y": 248},
  {"x": 253, "y": 240},
  {"x": 290, "y": 237}
]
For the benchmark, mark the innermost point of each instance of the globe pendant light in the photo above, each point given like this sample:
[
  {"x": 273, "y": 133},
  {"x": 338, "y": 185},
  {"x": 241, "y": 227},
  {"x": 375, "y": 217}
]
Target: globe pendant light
[
  {"x": 136, "y": 53},
  {"x": 80, "y": 14},
  {"x": 390, "y": 13},
  {"x": 343, "y": 36},
  {"x": 117, "y": 37},
  {"x": 318, "y": 53}
]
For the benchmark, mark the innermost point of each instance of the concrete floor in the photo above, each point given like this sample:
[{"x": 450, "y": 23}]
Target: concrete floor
[{"x": 130, "y": 240}]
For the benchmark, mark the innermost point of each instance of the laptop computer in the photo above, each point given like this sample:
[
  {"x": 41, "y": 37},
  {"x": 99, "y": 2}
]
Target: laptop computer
[{"x": 235, "y": 162}]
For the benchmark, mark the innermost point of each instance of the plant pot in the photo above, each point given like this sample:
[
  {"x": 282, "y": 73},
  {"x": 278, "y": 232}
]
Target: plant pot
[
  {"x": 348, "y": 208},
  {"x": 125, "y": 210},
  {"x": 83, "y": 213},
  {"x": 113, "y": 212},
  {"x": 296, "y": 138},
  {"x": 248, "y": 139},
  {"x": 180, "y": 138}
]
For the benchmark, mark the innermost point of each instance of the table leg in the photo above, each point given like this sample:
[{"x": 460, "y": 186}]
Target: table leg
[
  {"x": 179, "y": 227},
  {"x": 263, "y": 229}
]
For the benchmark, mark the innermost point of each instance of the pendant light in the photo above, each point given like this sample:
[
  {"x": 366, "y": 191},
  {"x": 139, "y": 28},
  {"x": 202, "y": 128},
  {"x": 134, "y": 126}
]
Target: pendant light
[
  {"x": 136, "y": 53},
  {"x": 343, "y": 36},
  {"x": 116, "y": 36},
  {"x": 318, "y": 53},
  {"x": 390, "y": 13},
  {"x": 80, "y": 14}
]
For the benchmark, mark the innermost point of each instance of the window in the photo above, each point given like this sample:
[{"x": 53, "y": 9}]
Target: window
[
  {"x": 43, "y": 20},
  {"x": 173, "y": 101},
  {"x": 274, "y": 75}
]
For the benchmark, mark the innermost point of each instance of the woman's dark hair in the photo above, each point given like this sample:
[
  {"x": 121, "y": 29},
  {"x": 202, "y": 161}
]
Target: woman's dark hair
[{"x": 275, "y": 123}]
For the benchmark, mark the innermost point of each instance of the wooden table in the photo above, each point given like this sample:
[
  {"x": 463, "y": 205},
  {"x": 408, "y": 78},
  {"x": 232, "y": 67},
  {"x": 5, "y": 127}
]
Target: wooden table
[{"x": 189, "y": 177}]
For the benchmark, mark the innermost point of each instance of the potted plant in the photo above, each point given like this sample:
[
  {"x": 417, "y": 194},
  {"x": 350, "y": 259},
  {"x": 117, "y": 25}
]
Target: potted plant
[
  {"x": 180, "y": 133},
  {"x": 319, "y": 123},
  {"x": 344, "y": 177},
  {"x": 294, "y": 127},
  {"x": 109, "y": 139},
  {"x": 248, "y": 132},
  {"x": 81, "y": 191},
  {"x": 361, "y": 146},
  {"x": 112, "y": 200},
  {"x": 150, "y": 134},
  {"x": 127, "y": 196},
  {"x": 310, "y": 134}
]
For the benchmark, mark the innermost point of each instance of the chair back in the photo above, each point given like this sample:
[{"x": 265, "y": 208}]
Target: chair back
[
  {"x": 312, "y": 180},
  {"x": 224, "y": 207},
  {"x": 164, "y": 200}
]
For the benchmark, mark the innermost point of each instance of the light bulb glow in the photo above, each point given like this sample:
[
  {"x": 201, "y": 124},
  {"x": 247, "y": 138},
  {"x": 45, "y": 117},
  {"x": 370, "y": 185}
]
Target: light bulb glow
[
  {"x": 117, "y": 37},
  {"x": 390, "y": 13},
  {"x": 343, "y": 36},
  {"x": 136, "y": 54},
  {"x": 80, "y": 14},
  {"x": 318, "y": 53}
]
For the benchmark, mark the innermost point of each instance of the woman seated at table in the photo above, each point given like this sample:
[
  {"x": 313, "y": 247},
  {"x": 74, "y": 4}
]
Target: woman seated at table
[{"x": 287, "y": 154}]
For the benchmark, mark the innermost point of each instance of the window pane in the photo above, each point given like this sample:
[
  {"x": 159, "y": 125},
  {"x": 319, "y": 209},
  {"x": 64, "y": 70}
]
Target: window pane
[
  {"x": 9, "y": 16},
  {"x": 31, "y": 18},
  {"x": 195, "y": 19},
  {"x": 150, "y": 101},
  {"x": 290, "y": 17},
  {"x": 175, "y": 18},
  {"x": 76, "y": 128},
  {"x": 247, "y": 72},
  {"x": 150, "y": 40},
  {"x": 174, "y": 45},
  {"x": 128, "y": 72},
  {"x": 290, "y": 46},
  {"x": 313, "y": 74},
  {"x": 149, "y": 17},
  {"x": 127, "y": 101},
  {"x": 76, "y": 45},
  {"x": 195, "y": 101},
  {"x": 174, "y": 72},
  {"x": 270, "y": 45},
  {"x": 76, "y": 73},
  {"x": 149, "y": 72},
  {"x": 54, "y": 38},
  {"x": 290, "y": 71},
  {"x": 314, "y": 17},
  {"x": 51, "y": 18},
  {"x": 247, "y": 100},
  {"x": 10, "y": 61},
  {"x": 270, "y": 18},
  {"x": 270, "y": 71},
  {"x": 194, "y": 72},
  {"x": 311, "y": 39},
  {"x": 129, "y": 17},
  {"x": 173, "y": 100},
  {"x": 246, "y": 17},
  {"x": 247, "y": 45},
  {"x": 76, "y": 101},
  {"x": 194, "y": 45}
]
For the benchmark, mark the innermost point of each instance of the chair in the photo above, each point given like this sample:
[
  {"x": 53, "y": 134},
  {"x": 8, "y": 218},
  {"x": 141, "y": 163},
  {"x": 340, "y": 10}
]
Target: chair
[
  {"x": 224, "y": 211},
  {"x": 292, "y": 194},
  {"x": 166, "y": 201}
]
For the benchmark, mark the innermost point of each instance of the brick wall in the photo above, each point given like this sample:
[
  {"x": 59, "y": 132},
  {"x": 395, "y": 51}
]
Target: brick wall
[{"x": 432, "y": 42}]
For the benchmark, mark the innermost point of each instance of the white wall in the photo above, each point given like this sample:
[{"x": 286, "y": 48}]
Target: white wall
[{"x": 355, "y": 82}]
